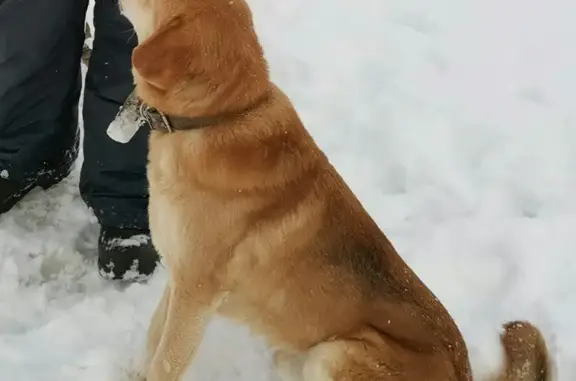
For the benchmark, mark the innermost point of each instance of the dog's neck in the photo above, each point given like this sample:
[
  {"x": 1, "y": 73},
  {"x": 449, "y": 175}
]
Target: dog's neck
[{"x": 159, "y": 121}]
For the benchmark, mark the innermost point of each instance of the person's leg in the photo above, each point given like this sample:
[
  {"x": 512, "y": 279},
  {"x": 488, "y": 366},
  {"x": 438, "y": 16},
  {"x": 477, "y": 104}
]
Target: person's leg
[
  {"x": 40, "y": 83},
  {"x": 113, "y": 179},
  {"x": 86, "y": 50}
]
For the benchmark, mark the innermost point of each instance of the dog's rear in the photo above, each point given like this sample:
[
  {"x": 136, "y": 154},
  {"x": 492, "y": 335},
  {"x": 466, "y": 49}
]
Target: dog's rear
[
  {"x": 256, "y": 224},
  {"x": 526, "y": 358}
]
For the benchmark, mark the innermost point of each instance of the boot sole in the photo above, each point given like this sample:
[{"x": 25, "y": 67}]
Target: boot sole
[{"x": 44, "y": 181}]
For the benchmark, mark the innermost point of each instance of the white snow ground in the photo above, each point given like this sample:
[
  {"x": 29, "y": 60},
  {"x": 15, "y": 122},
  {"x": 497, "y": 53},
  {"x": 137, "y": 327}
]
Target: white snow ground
[{"x": 455, "y": 123}]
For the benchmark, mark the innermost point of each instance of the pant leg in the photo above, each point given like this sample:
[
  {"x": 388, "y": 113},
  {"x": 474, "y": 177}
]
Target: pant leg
[
  {"x": 40, "y": 82},
  {"x": 113, "y": 178}
]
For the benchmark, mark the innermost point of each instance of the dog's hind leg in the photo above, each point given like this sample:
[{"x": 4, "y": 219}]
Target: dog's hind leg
[
  {"x": 353, "y": 360},
  {"x": 329, "y": 361}
]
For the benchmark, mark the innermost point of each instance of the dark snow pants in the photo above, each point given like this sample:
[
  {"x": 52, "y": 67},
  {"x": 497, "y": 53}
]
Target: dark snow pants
[{"x": 40, "y": 81}]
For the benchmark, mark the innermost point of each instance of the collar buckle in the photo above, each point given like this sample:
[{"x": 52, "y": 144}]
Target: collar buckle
[{"x": 155, "y": 117}]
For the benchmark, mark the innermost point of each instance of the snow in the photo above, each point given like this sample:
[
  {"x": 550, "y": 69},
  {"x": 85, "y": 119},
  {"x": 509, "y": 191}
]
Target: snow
[{"x": 454, "y": 123}]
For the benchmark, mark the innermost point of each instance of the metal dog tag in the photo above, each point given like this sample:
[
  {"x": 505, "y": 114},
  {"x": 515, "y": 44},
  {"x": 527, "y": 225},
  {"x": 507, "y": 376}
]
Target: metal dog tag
[{"x": 127, "y": 122}]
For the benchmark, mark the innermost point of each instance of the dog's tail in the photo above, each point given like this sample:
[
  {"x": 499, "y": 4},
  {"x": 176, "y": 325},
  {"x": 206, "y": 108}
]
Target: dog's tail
[{"x": 526, "y": 354}]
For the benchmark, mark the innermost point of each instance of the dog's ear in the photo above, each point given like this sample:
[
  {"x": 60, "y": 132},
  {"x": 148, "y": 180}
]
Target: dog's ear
[{"x": 162, "y": 58}]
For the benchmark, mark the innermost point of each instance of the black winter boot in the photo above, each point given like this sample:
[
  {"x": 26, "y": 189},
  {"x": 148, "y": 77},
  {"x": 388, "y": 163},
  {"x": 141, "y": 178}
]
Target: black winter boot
[
  {"x": 126, "y": 254},
  {"x": 12, "y": 191}
]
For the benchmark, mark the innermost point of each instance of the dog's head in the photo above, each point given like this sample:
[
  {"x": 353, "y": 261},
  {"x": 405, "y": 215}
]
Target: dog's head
[
  {"x": 196, "y": 57},
  {"x": 140, "y": 14}
]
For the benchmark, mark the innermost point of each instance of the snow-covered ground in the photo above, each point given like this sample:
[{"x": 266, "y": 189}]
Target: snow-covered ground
[{"x": 453, "y": 121}]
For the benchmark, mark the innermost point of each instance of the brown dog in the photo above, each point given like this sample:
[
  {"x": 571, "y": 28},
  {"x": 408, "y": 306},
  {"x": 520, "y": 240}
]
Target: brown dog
[{"x": 255, "y": 224}]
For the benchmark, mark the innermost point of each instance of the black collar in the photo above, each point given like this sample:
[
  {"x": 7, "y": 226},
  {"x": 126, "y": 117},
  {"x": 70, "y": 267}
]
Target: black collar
[{"x": 159, "y": 121}]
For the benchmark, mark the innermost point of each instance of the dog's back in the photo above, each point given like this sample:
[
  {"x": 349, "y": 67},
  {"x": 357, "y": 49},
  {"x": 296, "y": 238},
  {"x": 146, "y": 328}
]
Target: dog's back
[{"x": 320, "y": 274}]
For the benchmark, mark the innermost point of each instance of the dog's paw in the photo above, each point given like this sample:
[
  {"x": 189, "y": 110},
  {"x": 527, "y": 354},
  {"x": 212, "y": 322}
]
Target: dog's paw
[
  {"x": 130, "y": 375},
  {"x": 138, "y": 377}
]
